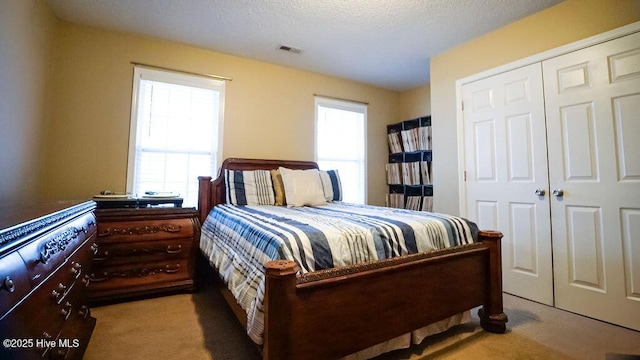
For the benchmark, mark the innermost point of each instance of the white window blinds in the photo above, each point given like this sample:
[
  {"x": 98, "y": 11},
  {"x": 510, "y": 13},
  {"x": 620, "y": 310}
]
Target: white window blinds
[
  {"x": 176, "y": 132},
  {"x": 340, "y": 144}
]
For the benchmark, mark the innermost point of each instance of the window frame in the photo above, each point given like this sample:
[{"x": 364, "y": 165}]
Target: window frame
[
  {"x": 346, "y": 105},
  {"x": 176, "y": 78}
]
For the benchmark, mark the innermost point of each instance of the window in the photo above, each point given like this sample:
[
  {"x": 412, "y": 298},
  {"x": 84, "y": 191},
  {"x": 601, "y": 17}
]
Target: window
[
  {"x": 176, "y": 132},
  {"x": 340, "y": 144}
]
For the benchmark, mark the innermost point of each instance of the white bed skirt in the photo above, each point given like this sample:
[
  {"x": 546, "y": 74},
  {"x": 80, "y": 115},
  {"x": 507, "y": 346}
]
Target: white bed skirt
[{"x": 415, "y": 337}]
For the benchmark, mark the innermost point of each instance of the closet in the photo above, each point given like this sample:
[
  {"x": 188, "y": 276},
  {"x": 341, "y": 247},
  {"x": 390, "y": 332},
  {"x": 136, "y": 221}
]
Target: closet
[{"x": 552, "y": 159}]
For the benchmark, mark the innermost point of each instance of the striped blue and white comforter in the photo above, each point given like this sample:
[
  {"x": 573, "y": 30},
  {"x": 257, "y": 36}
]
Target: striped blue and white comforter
[{"x": 239, "y": 240}]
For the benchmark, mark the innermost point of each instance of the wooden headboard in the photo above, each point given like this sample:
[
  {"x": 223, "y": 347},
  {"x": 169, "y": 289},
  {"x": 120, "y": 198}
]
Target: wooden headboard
[{"x": 212, "y": 192}]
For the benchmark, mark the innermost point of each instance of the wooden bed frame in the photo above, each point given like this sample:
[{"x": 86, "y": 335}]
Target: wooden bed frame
[{"x": 332, "y": 313}]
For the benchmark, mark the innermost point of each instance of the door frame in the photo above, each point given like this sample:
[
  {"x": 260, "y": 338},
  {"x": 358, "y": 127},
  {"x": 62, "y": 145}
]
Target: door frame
[{"x": 580, "y": 44}]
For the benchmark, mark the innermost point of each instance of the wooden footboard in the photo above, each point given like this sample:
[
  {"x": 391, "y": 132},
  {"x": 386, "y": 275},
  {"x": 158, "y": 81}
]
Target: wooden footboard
[{"x": 332, "y": 313}]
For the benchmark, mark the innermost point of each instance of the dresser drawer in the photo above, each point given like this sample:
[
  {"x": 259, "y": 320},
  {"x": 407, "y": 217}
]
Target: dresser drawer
[
  {"x": 129, "y": 277},
  {"x": 44, "y": 255},
  {"x": 14, "y": 282},
  {"x": 109, "y": 254},
  {"x": 150, "y": 230},
  {"x": 72, "y": 276}
]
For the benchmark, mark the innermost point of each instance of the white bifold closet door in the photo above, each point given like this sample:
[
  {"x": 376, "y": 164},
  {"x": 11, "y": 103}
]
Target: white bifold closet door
[
  {"x": 555, "y": 165},
  {"x": 506, "y": 175},
  {"x": 593, "y": 122}
]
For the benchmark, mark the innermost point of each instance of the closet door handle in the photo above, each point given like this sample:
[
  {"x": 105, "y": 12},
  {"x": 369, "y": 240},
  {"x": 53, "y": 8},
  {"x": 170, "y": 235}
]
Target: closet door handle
[
  {"x": 540, "y": 192},
  {"x": 558, "y": 192}
]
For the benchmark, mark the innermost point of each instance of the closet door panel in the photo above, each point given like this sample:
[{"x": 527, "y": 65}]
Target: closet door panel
[
  {"x": 584, "y": 251},
  {"x": 519, "y": 137},
  {"x": 484, "y": 137},
  {"x": 505, "y": 164},
  {"x": 592, "y": 99},
  {"x": 524, "y": 253},
  {"x": 578, "y": 140},
  {"x": 626, "y": 112},
  {"x": 630, "y": 234}
]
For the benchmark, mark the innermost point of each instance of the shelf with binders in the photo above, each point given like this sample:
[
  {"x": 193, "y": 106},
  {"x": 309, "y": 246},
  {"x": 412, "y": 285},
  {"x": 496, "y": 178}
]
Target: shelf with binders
[
  {"x": 410, "y": 135},
  {"x": 408, "y": 168},
  {"x": 412, "y": 197},
  {"x": 411, "y": 168},
  {"x": 419, "y": 197},
  {"x": 394, "y": 138},
  {"x": 396, "y": 197}
]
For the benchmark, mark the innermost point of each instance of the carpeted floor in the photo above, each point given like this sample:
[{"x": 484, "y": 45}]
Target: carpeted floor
[{"x": 201, "y": 326}]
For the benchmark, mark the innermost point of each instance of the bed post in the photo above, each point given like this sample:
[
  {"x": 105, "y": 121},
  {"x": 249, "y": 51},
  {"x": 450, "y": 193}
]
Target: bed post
[
  {"x": 492, "y": 316},
  {"x": 280, "y": 287},
  {"x": 204, "y": 197}
]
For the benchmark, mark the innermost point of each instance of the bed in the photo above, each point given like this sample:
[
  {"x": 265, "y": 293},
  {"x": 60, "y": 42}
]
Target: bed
[{"x": 309, "y": 307}]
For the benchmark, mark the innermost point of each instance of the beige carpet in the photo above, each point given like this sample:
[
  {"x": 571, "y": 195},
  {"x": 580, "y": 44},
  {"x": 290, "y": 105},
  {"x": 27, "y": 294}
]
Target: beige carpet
[{"x": 201, "y": 326}]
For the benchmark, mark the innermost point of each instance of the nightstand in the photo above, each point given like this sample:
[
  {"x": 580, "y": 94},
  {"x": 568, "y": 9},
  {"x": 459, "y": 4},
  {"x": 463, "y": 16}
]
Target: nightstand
[{"x": 144, "y": 251}]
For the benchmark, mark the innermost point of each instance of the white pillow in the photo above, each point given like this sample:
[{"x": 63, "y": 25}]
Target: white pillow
[{"x": 302, "y": 187}]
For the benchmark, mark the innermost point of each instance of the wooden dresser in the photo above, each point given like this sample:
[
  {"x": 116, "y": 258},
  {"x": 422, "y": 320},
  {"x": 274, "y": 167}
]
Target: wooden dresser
[
  {"x": 144, "y": 251},
  {"x": 45, "y": 260}
]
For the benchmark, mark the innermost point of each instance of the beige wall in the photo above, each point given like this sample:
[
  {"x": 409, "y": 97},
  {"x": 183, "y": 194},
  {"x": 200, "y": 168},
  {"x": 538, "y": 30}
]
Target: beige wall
[
  {"x": 65, "y": 97},
  {"x": 26, "y": 31},
  {"x": 564, "y": 23},
  {"x": 269, "y": 110},
  {"x": 414, "y": 103}
]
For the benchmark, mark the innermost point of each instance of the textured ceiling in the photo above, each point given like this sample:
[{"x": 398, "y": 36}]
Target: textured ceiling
[{"x": 387, "y": 43}]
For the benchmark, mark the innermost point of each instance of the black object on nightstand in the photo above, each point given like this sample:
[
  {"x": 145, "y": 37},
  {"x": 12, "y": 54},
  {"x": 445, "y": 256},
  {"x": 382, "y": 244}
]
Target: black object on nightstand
[{"x": 133, "y": 202}]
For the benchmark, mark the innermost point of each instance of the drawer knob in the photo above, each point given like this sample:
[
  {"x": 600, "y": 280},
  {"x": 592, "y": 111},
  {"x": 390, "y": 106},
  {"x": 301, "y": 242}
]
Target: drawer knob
[
  {"x": 100, "y": 257},
  {"x": 172, "y": 269},
  {"x": 99, "y": 277},
  {"x": 66, "y": 310},
  {"x": 84, "y": 311},
  {"x": 174, "y": 249},
  {"x": 76, "y": 269},
  {"x": 46, "y": 336},
  {"x": 58, "y": 292},
  {"x": 60, "y": 353},
  {"x": 9, "y": 284}
]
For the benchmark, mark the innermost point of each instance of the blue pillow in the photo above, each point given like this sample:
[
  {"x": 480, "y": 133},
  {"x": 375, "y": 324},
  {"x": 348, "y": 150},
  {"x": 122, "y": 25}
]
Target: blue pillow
[
  {"x": 331, "y": 185},
  {"x": 249, "y": 187}
]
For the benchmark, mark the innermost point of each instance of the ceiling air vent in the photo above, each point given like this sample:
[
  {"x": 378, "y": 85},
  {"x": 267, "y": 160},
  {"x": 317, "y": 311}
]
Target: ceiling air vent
[{"x": 290, "y": 49}]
